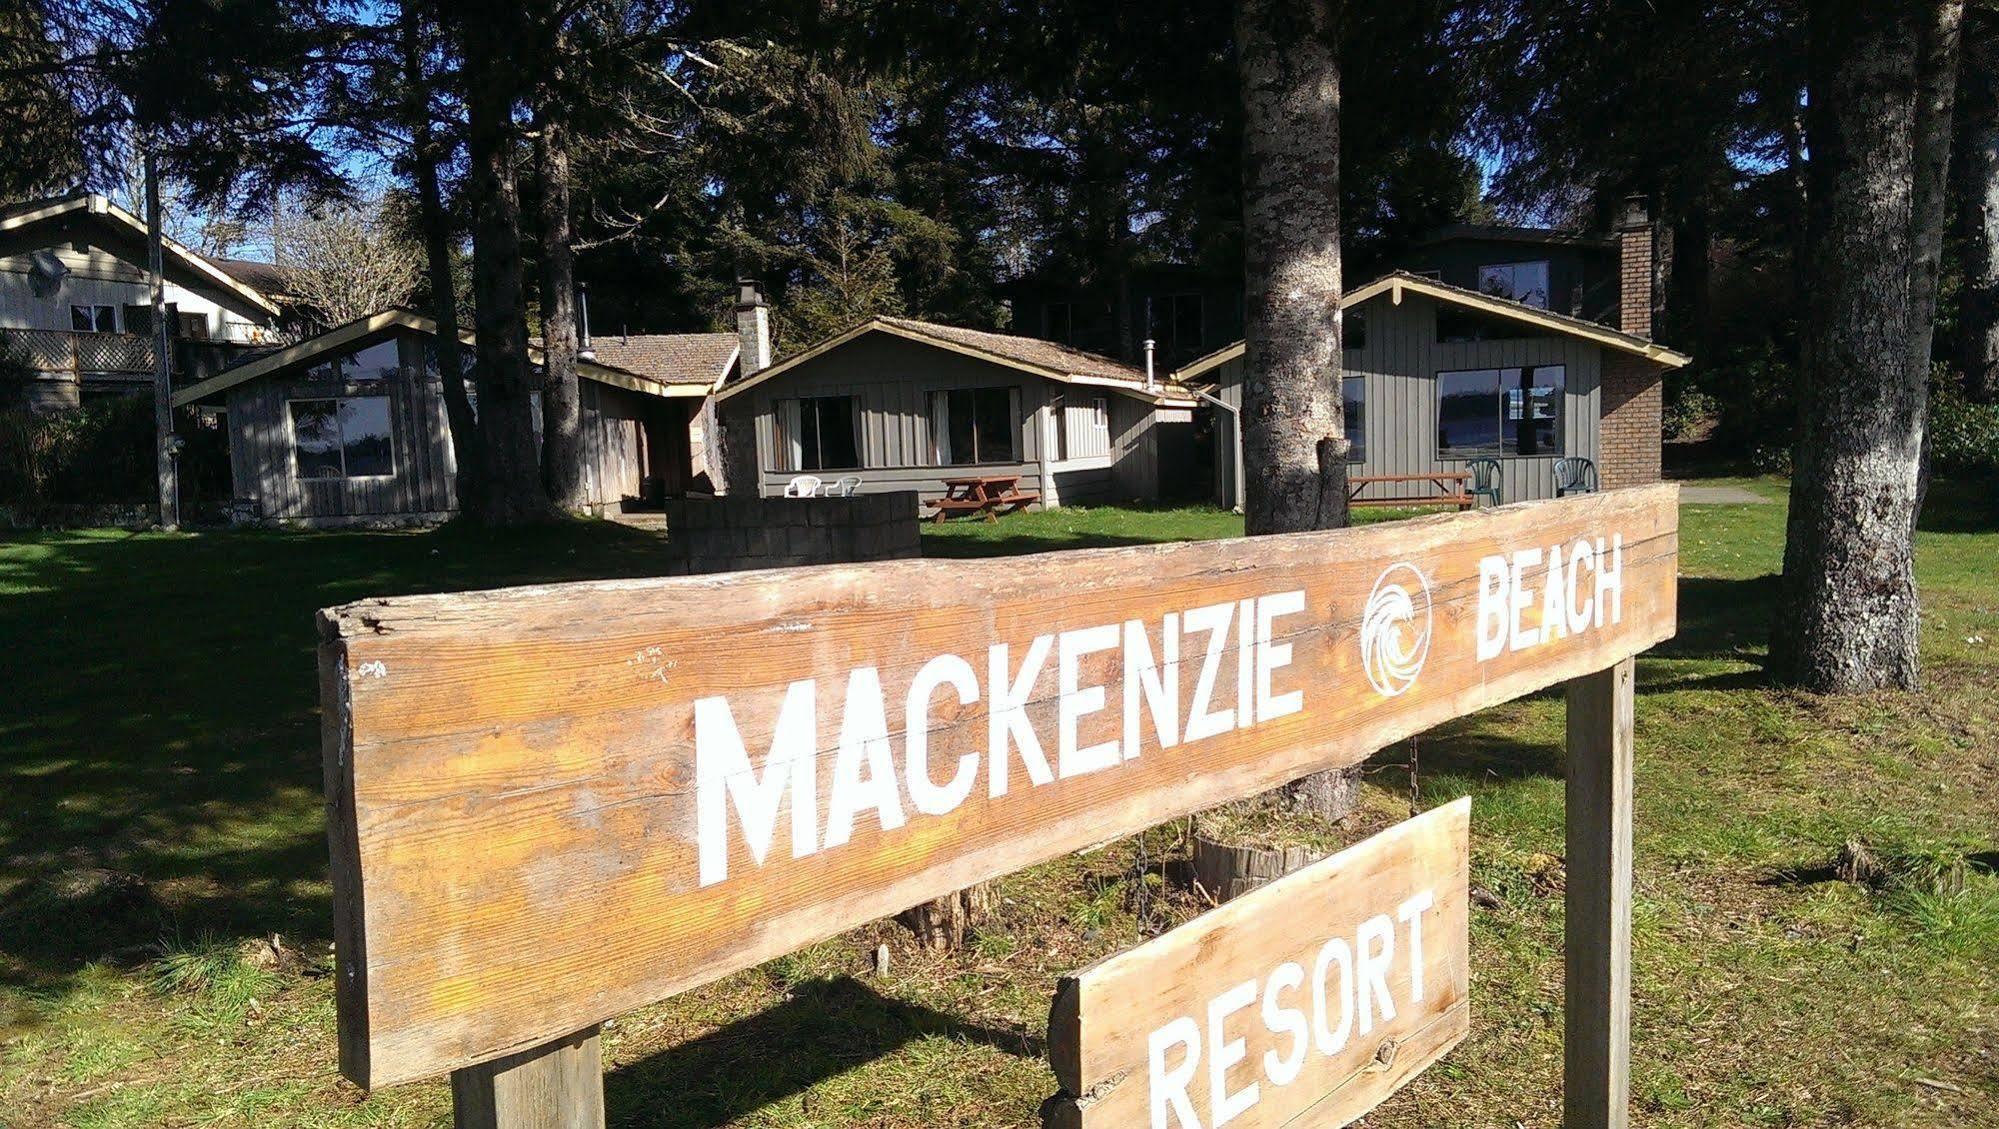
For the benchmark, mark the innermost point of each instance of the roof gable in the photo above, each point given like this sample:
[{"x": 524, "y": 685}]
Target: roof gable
[
  {"x": 99, "y": 209},
  {"x": 1395, "y": 284},
  {"x": 362, "y": 329},
  {"x": 1044, "y": 359}
]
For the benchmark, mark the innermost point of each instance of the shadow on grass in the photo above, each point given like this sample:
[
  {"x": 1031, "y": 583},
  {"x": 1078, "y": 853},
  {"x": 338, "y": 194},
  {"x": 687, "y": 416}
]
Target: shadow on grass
[
  {"x": 824, "y": 1028},
  {"x": 159, "y": 741},
  {"x": 1478, "y": 747},
  {"x": 1961, "y": 505},
  {"x": 1019, "y": 545},
  {"x": 1722, "y": 619}
]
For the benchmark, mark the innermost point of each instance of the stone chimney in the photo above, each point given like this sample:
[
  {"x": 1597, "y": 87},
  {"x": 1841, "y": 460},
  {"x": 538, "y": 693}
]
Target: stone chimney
[
  {"x": 1634, "y": 267},
  {"x": 1628, "y": 441},
  {"x": 752, "y": 327}
]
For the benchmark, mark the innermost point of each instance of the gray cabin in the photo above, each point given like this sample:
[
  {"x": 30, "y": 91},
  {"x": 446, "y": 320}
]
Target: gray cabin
[
  {"x": 1435, "y": 375},
  {"x": 906, "y": 405},
  {"x": 349, "y": 427}
]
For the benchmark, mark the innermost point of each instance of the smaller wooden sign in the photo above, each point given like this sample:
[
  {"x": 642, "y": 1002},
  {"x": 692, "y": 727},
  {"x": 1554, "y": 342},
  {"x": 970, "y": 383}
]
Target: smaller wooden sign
[{"x": 1308, "y": 1001}]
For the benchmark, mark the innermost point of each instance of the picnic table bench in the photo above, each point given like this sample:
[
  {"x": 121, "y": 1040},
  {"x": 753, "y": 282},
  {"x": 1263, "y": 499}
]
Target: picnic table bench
[
  {"x": 981, "y": 494},
  {"x": 1436, "y": 488}
]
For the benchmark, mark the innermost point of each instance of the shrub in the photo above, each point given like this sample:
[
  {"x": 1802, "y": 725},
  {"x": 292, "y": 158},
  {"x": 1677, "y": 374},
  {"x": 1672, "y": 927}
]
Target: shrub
[
  {"x": 99, "y": 454},
  {"x": 1688, "y": 412},
  {"x": 1964, "y": 436}
]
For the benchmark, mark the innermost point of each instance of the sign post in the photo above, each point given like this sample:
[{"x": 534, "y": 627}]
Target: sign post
[
  {"x": 719, "y": 770},
  {"x": 1596, "y": 975}
]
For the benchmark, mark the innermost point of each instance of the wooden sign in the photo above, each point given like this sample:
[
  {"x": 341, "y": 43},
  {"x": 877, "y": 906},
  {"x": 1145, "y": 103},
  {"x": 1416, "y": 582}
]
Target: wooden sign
[
  {"x": 1314, "y": 997},
  {"x": 552, "y": 805}
]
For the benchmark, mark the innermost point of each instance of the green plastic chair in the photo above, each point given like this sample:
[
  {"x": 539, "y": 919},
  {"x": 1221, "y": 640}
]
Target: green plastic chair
[
  {"x": 1574, "y": 475},
  {"x": 1484, "y": 480}
]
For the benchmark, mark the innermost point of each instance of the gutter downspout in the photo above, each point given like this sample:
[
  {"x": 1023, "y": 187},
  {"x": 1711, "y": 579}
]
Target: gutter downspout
[{"x": 1235, "y": 446}]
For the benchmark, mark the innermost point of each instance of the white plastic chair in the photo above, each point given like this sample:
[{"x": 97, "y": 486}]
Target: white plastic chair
[
  {"x": 846, "y": 487},
  {"x": 802, "y": 486}
]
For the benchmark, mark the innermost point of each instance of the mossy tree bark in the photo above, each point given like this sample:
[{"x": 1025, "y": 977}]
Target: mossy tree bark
[
  {"x": 1848, "y": 618},
  {"x": 1293, "y": 436},
  {"x": 561, "y": 398},
  {"x": 1976, "y": 157}
]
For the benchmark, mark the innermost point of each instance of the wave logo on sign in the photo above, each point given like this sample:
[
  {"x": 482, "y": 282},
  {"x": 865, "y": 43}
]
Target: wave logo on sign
[{"x": 1395, "y": 629}]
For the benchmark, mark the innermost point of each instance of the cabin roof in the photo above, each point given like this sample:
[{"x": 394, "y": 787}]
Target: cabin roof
[
  {"x": 1045, "y": 359},
  {"x": 398, "y": 317},
  {"x": 671, "y": 358},
  {"x": 1396, "y": 283}
]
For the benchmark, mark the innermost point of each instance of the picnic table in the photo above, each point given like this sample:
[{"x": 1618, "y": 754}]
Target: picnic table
[
  {"x": 1435, "y": 488},
  {"x": 982, "y": 494}
]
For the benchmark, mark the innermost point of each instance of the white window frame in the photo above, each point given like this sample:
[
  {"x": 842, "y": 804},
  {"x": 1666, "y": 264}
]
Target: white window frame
[{"x": 291, "y": 434}]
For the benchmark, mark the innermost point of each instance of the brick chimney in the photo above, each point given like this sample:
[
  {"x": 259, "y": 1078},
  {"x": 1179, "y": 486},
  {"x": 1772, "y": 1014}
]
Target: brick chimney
[
  {"x": 752, "y": 327},
  {"x": 1634, "y": 266},
  {"x": 1628, "y": 447}
]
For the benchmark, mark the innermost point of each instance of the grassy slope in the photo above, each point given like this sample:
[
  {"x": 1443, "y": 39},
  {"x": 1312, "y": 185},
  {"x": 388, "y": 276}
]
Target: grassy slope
[{"x": 162, "y": 722}]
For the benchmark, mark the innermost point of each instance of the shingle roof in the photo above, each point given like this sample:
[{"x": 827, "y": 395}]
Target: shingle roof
[
  {"x": 264, "y": 276},
  {"x": 1027, "y": 350},
  {"x": 670, "y": 358}
]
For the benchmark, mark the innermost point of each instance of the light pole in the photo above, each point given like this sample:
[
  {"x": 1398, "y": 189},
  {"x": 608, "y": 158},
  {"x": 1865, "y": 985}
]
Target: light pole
[{"x": 163, "y": 411}]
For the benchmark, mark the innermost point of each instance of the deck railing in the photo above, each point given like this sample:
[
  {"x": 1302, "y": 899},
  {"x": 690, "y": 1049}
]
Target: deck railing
[{"x": 59, "y": 350}]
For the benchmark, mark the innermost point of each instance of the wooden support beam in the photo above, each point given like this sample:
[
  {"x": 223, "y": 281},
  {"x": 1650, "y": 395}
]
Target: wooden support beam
[
  {"x": 558, "y": 1085},
  {"x": 1597, "y": 980}
]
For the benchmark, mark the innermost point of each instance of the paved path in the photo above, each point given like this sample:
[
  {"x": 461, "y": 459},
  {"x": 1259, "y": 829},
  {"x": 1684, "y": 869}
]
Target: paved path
[{"x": 1720, "y": 495}]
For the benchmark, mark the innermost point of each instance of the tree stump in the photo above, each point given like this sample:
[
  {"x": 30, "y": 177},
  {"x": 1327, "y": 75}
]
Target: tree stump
[
  {"x": 1228, "y": 871},
  {"x": 1330, "y": 795},
  {"x": 941, "y": 925}
]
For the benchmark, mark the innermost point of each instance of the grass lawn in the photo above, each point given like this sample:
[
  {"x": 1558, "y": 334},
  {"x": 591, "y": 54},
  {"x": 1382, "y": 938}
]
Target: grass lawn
[{"x": 162, "y": 822}]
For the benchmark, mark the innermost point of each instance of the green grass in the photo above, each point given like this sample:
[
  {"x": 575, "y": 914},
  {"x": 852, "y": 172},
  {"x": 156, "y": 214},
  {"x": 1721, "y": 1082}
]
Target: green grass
[{"x": 159, "y": 721}]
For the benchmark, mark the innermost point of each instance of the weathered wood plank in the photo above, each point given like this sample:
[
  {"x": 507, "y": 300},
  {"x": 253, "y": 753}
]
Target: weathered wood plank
[
  {"x": 1597, "y": 973},
  {"x": 529, "y": 769},
  {"x": 558, "y": 1086},
  {"x": 1307, "y": 1001}
]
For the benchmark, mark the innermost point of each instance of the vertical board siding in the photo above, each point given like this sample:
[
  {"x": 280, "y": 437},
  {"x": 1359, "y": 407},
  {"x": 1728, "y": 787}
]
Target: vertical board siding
[
  {"x": 1400, "y": 363},
  {"x": 892, "y": 380}
]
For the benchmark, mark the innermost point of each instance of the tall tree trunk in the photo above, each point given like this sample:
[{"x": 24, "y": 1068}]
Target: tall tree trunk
[
  {"x": 512, "y": 474},
  {"x": 561, "y": 399},
  {"x": 1293, "y": 436},
  {"x": 436, "y": 225},
  {"x": 1848, "y": 618},
  {"x": 1977, "y": 162},
  {"x": 1938, "y": 51}
]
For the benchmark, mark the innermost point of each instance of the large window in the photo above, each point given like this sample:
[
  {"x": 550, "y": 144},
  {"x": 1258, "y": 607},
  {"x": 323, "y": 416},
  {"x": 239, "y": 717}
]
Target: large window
[
  {"x": 1353, "y": 402},
  {"x": 1176, "y": 326},
  {"x": 342, "y": 438},
  {"x": 825, "y": 432},
  {"x": 975, "y": 425},
  {"x": 1526, "y": 283},
  {"x": 380, "y": 361},
  {"x": 1059, "y": 322},
  {"x": 1502, "y": 411}
]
